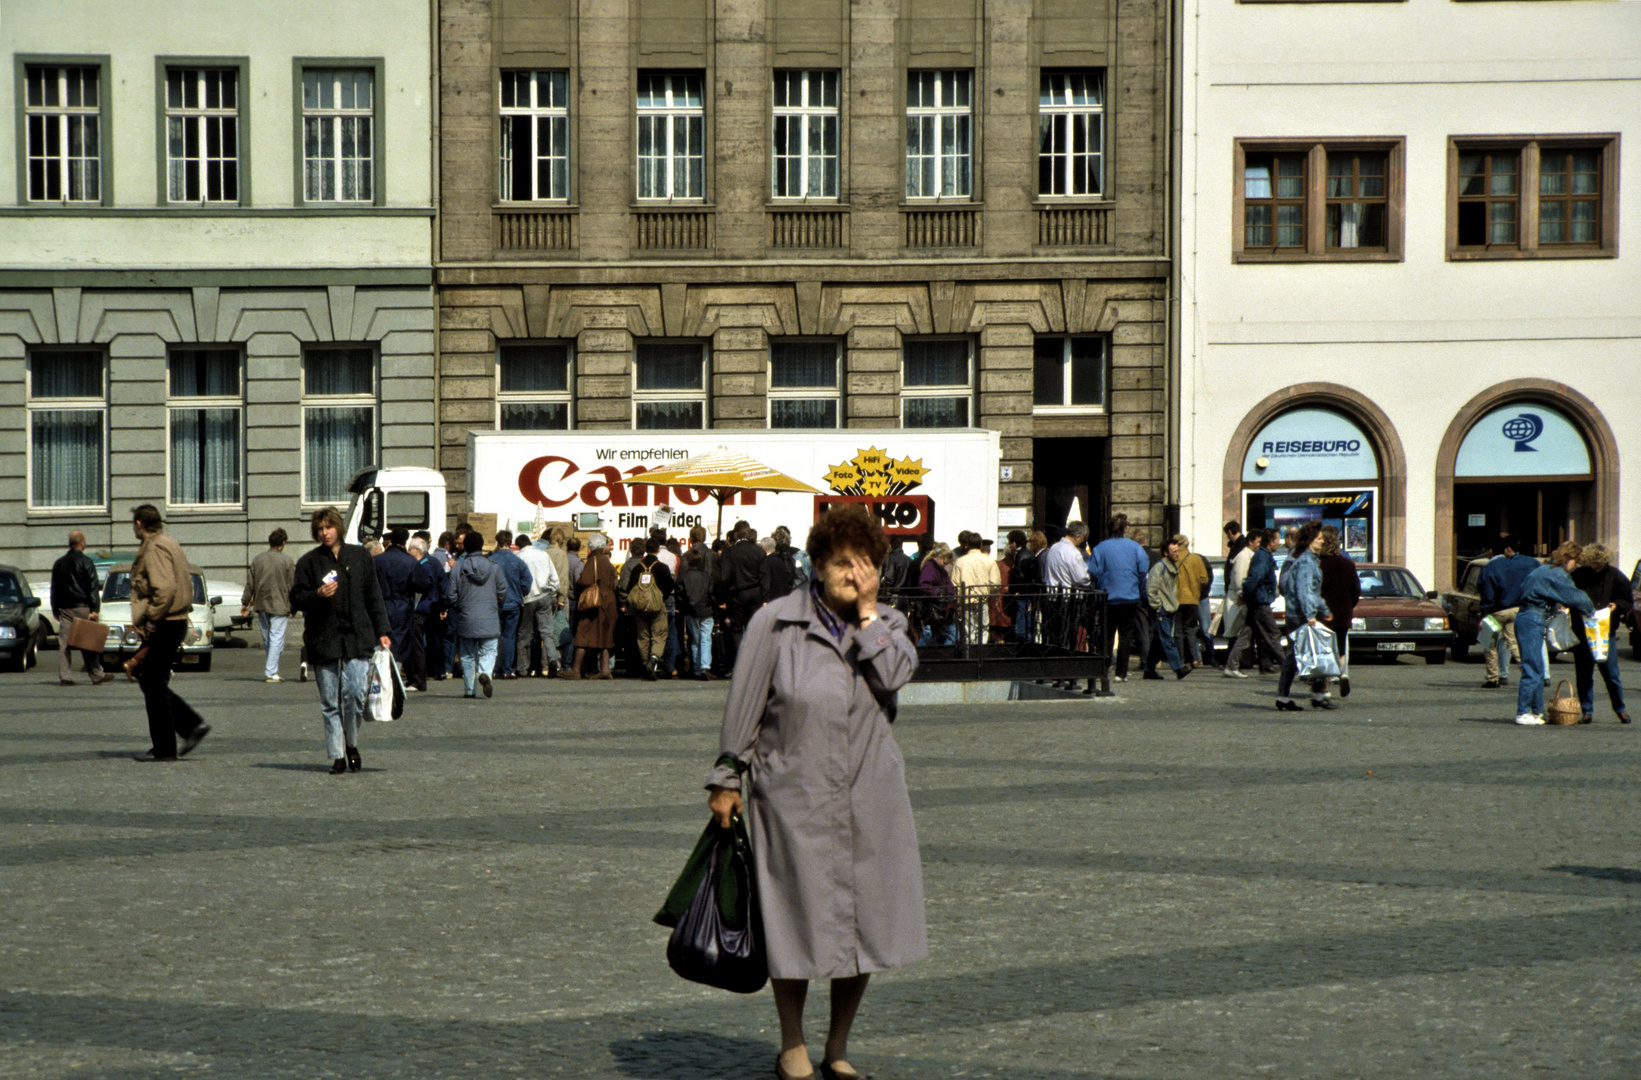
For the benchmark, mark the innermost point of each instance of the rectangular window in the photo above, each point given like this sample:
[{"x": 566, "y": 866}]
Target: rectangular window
[
  {"x": 1071, "y": 134},
  {"x": 1569, "y": 196},
  {"x": 535, "y": 135},
  {"x": 338, "y": 135},
  {"x": 205, "y": 407},
  {"x": 671, "y": 136},
  {"x": 806, "y": 135},
  {"x": 1273, "y": 190},
  {"x": 202, "y": 135},
  {"x": 68, "y": 424},
  {"x": 338, "y": 419},
  {"x": 1489, "y": 197},
  {"x": 1357, "y": 202},
  {"x": 669, "y": 385},
  {"x": 1069, "y": 374},
  {"x": 939, "y": 134},
  {"x": 533, "y": 386},
  {"x": 803, "y": 384},
  {"x": 62, "y": 113},
  {"x": 937, "y": 383}
]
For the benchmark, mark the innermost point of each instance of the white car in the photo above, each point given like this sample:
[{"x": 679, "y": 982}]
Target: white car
[{"x": 123, "y": 641}]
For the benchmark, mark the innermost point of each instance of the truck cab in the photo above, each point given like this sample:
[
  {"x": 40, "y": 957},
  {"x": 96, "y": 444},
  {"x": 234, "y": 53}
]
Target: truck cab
[{"x": 400, "y": 496}]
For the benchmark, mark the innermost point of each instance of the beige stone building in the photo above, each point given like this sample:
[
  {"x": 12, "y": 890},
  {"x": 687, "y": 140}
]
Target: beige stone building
[{"x": 812, "y": 213}]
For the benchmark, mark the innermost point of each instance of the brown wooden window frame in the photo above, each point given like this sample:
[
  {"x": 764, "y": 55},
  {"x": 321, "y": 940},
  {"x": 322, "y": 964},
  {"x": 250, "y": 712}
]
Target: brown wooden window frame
[
  {"x": 1316, "y": 153},
  {"x": 1530, "y": 151}
]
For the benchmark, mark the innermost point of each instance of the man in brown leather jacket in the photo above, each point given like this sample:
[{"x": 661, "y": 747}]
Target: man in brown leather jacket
[{"x": 162, "y": 595}]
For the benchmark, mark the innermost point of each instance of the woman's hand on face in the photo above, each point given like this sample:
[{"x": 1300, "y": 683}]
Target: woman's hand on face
[
  {"x": 866, "y": 586},
  {"x": 724, "y": 803}
]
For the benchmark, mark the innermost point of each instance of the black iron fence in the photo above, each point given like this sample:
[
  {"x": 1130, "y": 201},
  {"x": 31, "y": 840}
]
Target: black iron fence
[{"x": 1031, "y": 632}]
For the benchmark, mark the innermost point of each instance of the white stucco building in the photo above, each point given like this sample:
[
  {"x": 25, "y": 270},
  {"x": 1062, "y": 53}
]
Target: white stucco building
[
  {"x": 215, "y": 265},
  {"x": 1404, "y": 299}
]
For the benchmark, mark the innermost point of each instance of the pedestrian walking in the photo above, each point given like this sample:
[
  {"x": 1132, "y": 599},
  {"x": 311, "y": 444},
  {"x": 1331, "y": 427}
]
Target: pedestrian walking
[
  {"x": 76, "y": 595},
  {"x": 1301, "y": 587},
  {"x": 162, "y": 595},
  {"x": 695, "y": 607},
  {"x": 403, "y": 581},
  {"x": 1500, "y": 588},
  {"x": 1118, "y": 567},
  {"x": 834, "y": 846},
  {"x": 477, "y": 593},
  {"x": 1255, "y": 593},
  {"x": 646, "y": 600},
  {"x": 1194, "y": 582},
  {"x": 431, "y": 618},
  {"x": 536, "y": 612},
  {"x": 1546, "y": 588},
  {"x": 1609, "y": 592},
  {"x": 268, "y": 593},
  {"x": 1341, "y": 590},
  {"x": 937, "y": 599},
  {"x": 1162, "y": 587},
  {"x": 516, "y": 577},
  {"x": 343, "y": 621}
]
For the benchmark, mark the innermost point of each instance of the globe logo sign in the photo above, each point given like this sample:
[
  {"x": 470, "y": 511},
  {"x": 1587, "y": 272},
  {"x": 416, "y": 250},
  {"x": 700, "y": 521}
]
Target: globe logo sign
[{"x": 1522, "y": 430}]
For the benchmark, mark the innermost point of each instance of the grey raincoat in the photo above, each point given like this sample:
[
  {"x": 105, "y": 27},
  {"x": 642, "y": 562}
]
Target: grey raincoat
[{"x": 840, "y": 882}]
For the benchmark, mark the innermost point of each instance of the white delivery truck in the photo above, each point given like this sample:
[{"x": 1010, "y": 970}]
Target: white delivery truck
[{"x": 916, "y": 481}]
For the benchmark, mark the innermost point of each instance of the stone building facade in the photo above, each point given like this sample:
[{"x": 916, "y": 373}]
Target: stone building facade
[
  {"x": 215, "y": 270},
  {"x": 964, "y": 202}
]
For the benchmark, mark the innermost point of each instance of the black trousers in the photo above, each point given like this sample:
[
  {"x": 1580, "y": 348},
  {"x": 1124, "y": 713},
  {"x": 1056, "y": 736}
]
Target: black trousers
[
  {"x": 1123, "y": 619},
  {"x": 169, "y": 717},
  {"x": 414, "y": 659}
]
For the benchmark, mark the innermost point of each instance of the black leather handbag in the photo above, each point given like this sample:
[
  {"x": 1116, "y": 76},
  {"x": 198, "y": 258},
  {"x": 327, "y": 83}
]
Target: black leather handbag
[{"x": 717, "y": 936}]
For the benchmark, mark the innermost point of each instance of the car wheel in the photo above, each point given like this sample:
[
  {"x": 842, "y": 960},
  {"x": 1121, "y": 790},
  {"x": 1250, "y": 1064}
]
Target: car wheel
[
  {"x": 204, "y": 663},
  {"x": 1435, "y": 657},
  {"x": 1461, "y": 650}
]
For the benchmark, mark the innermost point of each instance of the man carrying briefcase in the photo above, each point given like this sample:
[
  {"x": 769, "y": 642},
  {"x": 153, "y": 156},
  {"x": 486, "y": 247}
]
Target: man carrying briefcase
[{"x": 75, "y": 603}]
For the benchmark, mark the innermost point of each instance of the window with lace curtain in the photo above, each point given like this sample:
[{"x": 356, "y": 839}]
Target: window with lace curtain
[
  {"x": 669, "y": 385},
  {"x": 533, "y": 386},
  {"x": 338, "y": 419},
  {"x": 1533, "y": 197},
  {"x": 803, "y": 384},
  {"x": 205, "y": 414},
  {"x": 1318, "y": 201},
  {"x": 936, "y": 382},
  {"x": 68, "y": 429}
]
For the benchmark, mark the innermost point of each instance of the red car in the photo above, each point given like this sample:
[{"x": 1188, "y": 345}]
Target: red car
[{"x": 1396, "y": 615}]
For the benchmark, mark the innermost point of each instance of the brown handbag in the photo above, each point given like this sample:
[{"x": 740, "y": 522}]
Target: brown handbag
[
  {"x": 1562, "y": 709},
  {"x": 591, "y": 597}
]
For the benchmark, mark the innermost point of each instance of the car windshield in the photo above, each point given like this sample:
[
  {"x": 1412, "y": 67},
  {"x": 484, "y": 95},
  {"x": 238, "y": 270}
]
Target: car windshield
[
  {"x": 10, "y": 591},
  {"x": 119, "y": 587},
  {"x": 1389, "y": 581}
]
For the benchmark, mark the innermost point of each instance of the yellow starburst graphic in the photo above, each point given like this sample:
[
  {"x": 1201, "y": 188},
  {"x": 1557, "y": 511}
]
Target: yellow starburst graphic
[{"x": 876, "y": 472}]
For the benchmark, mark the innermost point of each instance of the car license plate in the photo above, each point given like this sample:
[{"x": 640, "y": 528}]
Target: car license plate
[
  {"x": 1396, "y": 646},
  {"x": 194, "y": 659}
]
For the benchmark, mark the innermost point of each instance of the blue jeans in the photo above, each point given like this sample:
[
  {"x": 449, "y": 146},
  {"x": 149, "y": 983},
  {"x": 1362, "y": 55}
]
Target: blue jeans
[
  {"x": 700, "y": 644},
  {"x": 1530, "y": 642},
  {"x": 342, "y": 687},
  {"x": 1165, "y": 635},
  {"x": 509, "y": 636},
  {"x": 938, "y": 634},
  {"x": 478, "y": 654},
  {"x": 273, "y": 639}
]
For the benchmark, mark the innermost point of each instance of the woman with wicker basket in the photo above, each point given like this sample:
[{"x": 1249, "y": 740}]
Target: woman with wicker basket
[{"x": 1545, "y": 589}]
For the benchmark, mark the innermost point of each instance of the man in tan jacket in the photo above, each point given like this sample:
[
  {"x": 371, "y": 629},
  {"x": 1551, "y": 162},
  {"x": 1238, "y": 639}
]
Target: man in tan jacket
[
  {"x": 268, "y": 593},
  {"x": 162, "y": 595}
]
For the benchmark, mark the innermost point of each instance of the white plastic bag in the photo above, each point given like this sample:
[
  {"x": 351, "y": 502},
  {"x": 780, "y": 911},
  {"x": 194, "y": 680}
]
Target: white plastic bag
[
  {"x": 1487, "y": 632},
  {"x": 385, "y": 699},
  {"x": 1313, "y": 650},
  {"x": 1558, "y": 632}
]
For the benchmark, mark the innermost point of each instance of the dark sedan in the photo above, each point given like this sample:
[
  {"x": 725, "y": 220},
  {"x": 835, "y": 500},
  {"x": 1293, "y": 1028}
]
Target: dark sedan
[
  {"x": 22, "y": 631},
  {"x": 1396, "y": 615}
]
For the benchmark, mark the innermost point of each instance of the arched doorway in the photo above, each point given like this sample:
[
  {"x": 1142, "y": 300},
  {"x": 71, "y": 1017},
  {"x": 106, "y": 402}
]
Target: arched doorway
[
  {"x": 1532, "y": 458},
  {"x": 1321, "y": 452}
]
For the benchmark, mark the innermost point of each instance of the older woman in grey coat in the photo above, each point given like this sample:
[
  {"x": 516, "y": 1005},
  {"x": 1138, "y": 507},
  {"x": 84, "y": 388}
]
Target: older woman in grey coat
[{"x": 839, "y": 879}]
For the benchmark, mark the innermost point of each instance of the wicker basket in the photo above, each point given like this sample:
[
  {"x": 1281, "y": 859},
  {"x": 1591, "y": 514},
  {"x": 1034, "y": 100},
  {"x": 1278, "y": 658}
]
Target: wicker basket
[{"x": 1563, "y": 710}]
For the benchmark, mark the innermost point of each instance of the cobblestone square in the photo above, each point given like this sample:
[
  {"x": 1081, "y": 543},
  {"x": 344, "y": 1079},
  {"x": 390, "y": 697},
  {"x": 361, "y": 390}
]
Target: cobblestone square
[{"x": 1180, "y": 882}]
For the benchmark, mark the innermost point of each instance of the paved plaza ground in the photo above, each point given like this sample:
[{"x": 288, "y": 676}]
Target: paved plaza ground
[{"x": 1178, "y": 883}]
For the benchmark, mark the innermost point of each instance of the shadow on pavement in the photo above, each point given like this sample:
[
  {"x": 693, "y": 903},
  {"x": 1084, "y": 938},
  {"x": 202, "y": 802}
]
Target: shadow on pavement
[{"x": 1603, "y": 873}]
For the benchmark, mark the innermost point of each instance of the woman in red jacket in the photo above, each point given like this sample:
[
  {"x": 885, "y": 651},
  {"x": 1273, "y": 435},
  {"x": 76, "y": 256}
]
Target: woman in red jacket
[{"x": 1341, "y": 589}]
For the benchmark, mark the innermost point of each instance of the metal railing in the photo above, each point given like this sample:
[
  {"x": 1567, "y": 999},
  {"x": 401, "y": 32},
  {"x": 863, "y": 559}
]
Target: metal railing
[{"x": 1029, "y": 632}]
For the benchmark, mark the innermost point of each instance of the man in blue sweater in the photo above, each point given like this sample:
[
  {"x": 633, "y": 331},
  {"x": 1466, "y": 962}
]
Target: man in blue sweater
[
  {"x": 519, "y": 581},
  {"x": 1501, "y": 582},
  {"x": 1118, "y": 566}
]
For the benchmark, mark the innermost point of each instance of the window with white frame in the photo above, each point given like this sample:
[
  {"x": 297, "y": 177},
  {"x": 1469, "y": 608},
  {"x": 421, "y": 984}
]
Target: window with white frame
[
  {"x": 62, "y": 113},
  {"x": 671, "y": 136},
  {"x": 338, "y": 135},
  {"x": 533, "y": 386},
  {"x": 804, "y": 377},
  {"x": 1068, "y": 374},
  {"x": 535, "y": 135},
  {"x": 939, "y": 134},
  {"x": 1071, "y": 134},
  {"x": 806, "y": 135},
  {"x": 68, "y": 425},
  {"x": 202, "y": 135},
  {"x": 338, "y": 419},
  {"x": 937, "y": 382},
  {"x": 205, "y": 406},
  {"x": 669, "y": 384}
]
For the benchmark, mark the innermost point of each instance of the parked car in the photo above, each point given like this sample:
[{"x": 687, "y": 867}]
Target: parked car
[
  {"x": 123, "y": 640},
  {"x": 1396, "y": 615},
  {"x": 22, "y": 631},
  {"x": 1463, "y": 607}
]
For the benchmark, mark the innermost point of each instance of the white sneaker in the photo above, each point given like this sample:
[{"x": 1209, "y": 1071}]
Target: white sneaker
[
  {"x": 1529, "y": 720},
  {"x": 273, "y": 678},
  {"x": 1229, "y": 674}
]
